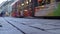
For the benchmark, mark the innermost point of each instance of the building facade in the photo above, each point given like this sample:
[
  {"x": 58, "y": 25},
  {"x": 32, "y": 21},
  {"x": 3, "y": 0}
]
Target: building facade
[{"x": 5, "y": 7}]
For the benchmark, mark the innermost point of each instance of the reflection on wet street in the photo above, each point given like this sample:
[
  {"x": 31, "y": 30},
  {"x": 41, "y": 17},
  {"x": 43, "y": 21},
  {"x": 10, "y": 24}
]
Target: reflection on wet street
[{"x": 10, "y": 25}]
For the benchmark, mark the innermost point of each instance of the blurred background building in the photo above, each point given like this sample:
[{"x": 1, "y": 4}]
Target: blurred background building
[{"x": 5, "y": 7}]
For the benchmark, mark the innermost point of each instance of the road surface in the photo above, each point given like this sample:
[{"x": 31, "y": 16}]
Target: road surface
[{"x": 12, "y": 25}]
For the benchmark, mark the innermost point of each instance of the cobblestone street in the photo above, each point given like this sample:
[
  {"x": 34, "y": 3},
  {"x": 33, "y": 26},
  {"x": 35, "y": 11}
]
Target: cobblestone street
[{"x": 12, "y": 25}]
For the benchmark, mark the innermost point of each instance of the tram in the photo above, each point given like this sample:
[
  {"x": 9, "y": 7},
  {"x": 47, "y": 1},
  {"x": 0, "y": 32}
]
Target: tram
[{"x": 28, "y": 8}]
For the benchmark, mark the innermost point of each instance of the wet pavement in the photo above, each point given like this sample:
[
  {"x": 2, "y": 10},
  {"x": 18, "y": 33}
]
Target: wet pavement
[{"x": 12, "y": 25}]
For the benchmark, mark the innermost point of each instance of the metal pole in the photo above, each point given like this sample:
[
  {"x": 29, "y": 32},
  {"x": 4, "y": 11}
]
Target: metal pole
[
  {"x": 34, "y": 4},
  {"x": 22, "y": 8},
  {"x": 33, "y": 9},
  {"x": 7, "y": 8}
]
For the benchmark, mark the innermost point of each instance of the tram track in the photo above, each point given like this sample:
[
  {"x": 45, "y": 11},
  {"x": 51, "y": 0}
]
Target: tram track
[
  {"x": 38, "y": 27},
  {"x": 26, "y": 28},
  {"x": 15, "y": 26},
  {"x": 46, "y": 30}
]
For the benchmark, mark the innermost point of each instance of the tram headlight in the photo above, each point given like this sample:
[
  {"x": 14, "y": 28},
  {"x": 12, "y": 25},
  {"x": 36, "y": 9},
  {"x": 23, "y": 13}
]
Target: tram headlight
[
  {"x": 22, "y": 4},
  {"x": 27, "y": 2}
]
